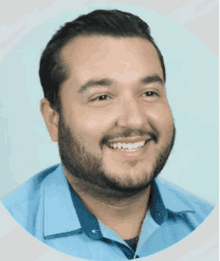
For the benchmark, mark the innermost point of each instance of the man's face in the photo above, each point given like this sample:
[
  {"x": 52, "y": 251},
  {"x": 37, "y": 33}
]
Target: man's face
[{"x": 116, "y": 128}]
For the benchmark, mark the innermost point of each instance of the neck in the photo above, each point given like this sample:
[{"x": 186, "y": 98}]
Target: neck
[{"x": 123, "y": 214}]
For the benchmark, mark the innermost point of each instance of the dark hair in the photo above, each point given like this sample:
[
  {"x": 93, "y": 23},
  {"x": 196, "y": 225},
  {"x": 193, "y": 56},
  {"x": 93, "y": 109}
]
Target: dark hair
[{"x": 114, "y": 23}]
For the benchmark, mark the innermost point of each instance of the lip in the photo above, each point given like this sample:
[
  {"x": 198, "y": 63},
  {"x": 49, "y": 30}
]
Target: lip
[{"x": 129, "y": 140}]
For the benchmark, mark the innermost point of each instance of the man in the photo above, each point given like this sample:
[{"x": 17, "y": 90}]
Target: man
[{"x": 105, "y": 104}]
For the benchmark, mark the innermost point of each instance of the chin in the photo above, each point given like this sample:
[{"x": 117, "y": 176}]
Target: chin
[
  {"x": 128, "y": 188},
  {"x": 129, "y": 182}
]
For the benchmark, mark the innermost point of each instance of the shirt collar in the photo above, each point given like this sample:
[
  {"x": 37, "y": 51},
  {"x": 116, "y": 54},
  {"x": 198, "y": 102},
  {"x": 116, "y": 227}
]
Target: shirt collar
[
  {"x": 65, "y": 214},
  {"x": 60, "y": 217},
  {"x": 89, "y": 223},
  {"x": 156, "y": 205},
  {"x": 173, "y": 198}
]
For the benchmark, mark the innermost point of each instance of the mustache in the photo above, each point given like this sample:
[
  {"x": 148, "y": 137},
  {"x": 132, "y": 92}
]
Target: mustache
[{"x": 128, "y": 133}]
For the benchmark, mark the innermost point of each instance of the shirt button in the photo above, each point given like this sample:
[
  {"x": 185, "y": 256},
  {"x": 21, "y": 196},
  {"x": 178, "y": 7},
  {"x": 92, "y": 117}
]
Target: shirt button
[{"x": 94, "y": 231}]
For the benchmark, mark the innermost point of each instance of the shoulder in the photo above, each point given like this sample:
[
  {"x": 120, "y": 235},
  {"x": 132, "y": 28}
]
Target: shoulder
[
  {"x": 178, "y": 200},
  {"x": 24, "y": 201},
  {"x": 27, "y": 190}
]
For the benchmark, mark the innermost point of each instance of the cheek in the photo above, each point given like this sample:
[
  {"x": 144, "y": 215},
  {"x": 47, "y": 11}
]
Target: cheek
[
  {"x": 95, "y": 121},
  {"x": 91, "y": 125},
  {"x": 161, "y": 117}
]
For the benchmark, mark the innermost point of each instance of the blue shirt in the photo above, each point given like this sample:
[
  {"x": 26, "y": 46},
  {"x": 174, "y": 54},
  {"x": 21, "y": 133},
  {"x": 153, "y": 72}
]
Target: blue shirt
[{"x": 49, "y": 209}]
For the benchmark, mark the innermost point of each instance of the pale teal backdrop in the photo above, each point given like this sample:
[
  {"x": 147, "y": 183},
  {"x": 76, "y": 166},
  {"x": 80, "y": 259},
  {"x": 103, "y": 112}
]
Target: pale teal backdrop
[{"x": 192, "y": 87}]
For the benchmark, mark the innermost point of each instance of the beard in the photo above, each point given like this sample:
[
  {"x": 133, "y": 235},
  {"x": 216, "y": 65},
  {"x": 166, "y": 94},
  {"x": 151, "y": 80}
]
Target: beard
[{"x": 88, "y": 168}]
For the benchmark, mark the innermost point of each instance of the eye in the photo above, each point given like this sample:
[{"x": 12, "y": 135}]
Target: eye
[
  {"x": 150, "y": 94},
  {"x": 103, "y": 97}
]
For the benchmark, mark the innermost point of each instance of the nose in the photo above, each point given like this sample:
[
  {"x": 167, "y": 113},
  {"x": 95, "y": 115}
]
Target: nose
[{"x": 131, "y": 114}]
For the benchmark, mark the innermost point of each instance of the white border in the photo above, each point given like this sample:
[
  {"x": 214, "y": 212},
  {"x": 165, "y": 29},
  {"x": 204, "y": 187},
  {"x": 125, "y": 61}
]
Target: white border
[{"x": 15, "y": 243}]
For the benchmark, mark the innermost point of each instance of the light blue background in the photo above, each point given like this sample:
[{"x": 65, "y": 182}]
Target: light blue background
[{"x": 192, "y": 88}]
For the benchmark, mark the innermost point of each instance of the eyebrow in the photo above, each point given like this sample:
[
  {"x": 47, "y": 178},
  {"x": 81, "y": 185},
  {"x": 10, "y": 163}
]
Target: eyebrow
[
  {"x": 108, "y": 82},
  {"x": 152, "y": 79},
  {"x": 95, "y": 83}
]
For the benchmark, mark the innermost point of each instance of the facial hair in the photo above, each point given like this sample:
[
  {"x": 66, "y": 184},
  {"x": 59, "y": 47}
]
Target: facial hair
[{"x": 88, "y": 168}]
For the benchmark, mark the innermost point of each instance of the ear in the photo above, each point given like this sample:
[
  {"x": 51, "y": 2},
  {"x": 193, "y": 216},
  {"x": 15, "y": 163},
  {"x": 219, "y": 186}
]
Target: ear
[{"x": 51, "y": 118}]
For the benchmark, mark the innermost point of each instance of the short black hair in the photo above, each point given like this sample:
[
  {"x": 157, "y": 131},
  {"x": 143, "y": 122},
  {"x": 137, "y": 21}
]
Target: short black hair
[{"x": 113, "y": 23}]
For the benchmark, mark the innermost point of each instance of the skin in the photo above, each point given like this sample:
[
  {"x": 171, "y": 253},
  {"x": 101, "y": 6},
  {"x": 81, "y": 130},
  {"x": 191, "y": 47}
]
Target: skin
[{"x": 114, "y": 185}]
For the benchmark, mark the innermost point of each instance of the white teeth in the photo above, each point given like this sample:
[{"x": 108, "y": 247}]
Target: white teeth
[
  {"x": 136, "y": 145},
  {"x": 119, "y": 145},
  {"x": 127, "y": 146}
]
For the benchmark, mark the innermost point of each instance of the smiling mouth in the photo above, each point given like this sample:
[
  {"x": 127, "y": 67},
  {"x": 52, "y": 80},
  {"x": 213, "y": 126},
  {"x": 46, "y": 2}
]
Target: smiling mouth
[{"x": 127, "y": 146}]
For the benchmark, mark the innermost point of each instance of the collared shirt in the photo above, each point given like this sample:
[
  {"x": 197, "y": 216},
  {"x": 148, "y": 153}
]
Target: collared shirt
[{"x": 50, "y": 210}]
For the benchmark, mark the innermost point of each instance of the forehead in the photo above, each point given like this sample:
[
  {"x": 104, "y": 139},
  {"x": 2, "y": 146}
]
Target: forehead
[{"x": 106, "y": 56}]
